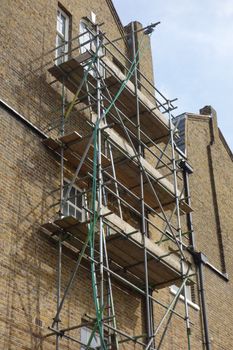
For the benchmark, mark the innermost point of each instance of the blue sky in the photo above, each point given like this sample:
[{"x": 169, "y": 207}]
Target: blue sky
[{"x": 192, "y": 52}]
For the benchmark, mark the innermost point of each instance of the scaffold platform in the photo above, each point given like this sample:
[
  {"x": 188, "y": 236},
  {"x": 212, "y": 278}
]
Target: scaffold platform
[
  {"x": 125, "y": 248},
  {"x": 154, "y": 124}
]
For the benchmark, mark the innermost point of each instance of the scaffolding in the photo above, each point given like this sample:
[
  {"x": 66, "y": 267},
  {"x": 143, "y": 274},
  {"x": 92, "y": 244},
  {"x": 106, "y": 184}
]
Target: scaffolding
[{"x": 128, "y": 168}]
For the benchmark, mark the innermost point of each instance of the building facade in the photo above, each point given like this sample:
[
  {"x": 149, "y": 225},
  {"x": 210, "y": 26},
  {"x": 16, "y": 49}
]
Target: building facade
[
  {"x": 211, "y": 190},
  {"x": 98, "y": 246}
]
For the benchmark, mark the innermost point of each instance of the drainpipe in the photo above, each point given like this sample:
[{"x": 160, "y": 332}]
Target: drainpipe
[
  {"x": 187, "y": 170},
  {"x": 201, "y": 260}
]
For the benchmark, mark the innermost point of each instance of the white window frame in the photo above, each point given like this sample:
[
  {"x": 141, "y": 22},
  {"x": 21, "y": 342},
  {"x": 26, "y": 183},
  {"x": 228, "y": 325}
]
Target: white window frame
[
  {"x": 90, "y": 47},
  {"x": 84, "y": 338},
  {"x": 174, "y": 289},
  {"x": 83, "y": 28},
  {"x": 75, "y": 207},
  {"x": 63, "y": 36}
]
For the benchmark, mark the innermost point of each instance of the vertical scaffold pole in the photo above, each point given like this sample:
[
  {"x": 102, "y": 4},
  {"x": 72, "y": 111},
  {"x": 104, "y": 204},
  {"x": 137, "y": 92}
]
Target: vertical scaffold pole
[
  {"x": 143, "y": 222},
  {"x": 179, "y": 229},
  {"x": 59, "y": 262},
  {"x": 100, "y": 184}
]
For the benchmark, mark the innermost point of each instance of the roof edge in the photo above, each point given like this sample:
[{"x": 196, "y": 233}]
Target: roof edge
[
  {"x": 205, "y": 117},
  {"x": 117, "y": 18},
  {"x": 225, "y": 144},
  {"x": 197, "y": 116}
]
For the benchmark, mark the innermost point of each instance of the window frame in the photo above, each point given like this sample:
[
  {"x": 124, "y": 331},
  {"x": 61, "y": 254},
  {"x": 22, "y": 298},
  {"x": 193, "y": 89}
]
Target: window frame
[
  {"x": 96, "y": 338},
  {"x": 64, "y": 37},
  {"x": 84, "y": 26},
  {"x": 74, "y": 206}
]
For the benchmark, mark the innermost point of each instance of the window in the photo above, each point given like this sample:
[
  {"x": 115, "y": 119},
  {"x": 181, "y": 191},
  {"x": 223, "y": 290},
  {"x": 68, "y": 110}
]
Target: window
[
  {"x": 74, "y": 205},
  {"x": 88, "y": 42},
  {"x": 85, "y": 336},
  {"x": 62, "y": 36},
  {"x": 174, "y": 289}
]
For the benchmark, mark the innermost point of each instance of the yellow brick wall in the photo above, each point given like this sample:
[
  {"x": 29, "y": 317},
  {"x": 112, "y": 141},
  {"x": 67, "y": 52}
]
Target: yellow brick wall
[
  {"x": 211, "y": 187},
  {"x": 28, "y": 258},
  {"x": 29, "y": 173}
]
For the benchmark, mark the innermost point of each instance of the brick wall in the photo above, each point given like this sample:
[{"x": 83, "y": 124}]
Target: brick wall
[
  {"x": 28, "y": 258},
  {"x": 29, "y": 173},
  {"x": 30, "y": 176},
  {"x": 28, "y": 34},
  {"x": 211, "y": 188}
]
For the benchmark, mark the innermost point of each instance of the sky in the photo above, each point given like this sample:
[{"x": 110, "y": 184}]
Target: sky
[{"x": 192, "y": 52}]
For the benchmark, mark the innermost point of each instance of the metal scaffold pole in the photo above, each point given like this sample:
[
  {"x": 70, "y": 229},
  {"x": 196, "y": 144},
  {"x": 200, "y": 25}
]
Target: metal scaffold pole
[
  {"x": 100, "y": 185},
  {"x": 179, "y": 228},
  {"x": 140, "y": 154},
  {"x": 59, "y": 263}
]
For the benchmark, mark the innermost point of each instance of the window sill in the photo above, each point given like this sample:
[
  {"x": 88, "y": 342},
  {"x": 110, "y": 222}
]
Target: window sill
[{"x": 189, "y": 302}]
